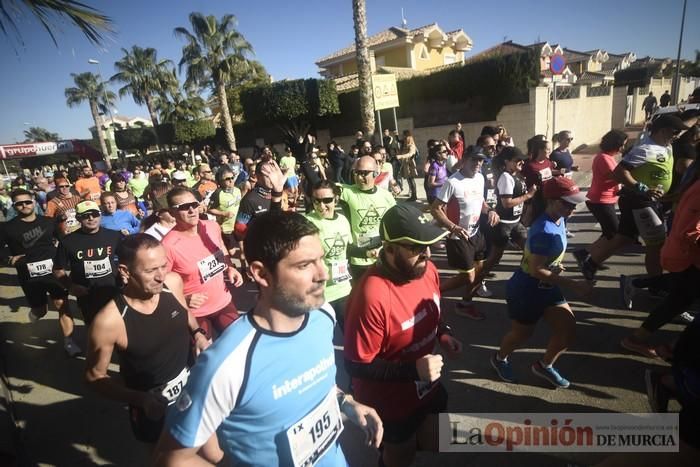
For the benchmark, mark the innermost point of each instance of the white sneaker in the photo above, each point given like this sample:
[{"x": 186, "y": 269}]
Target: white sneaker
[
  {"x": 685, "y": 318},
  {"x": 482, "y": 291},
  {"x": 71, "y": 347},
  {"x": 32, "y": 317}
]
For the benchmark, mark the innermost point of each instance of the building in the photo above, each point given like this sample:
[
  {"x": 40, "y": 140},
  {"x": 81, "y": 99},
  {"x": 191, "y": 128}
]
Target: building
[
  {"x": 119, "y": 122},
  {"x": 402, "y": 49}
]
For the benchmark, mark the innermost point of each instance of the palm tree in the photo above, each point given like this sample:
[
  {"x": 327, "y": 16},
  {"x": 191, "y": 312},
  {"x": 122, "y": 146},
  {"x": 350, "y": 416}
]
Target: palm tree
[
  {"x": 214, "y": 49},
  {"x": 89, "y": 20},
  {"x": 364, "y": 69},
  {"x": 37, "y": 134},
  {"x": 143, "y": 76},
  {"x": 179, "y": 107},
  {"x": 91, "y": 88}
]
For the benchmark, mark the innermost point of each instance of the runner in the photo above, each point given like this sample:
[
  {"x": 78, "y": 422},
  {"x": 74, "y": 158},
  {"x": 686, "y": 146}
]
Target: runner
[
  {"x": 117, "y": 219},
  {"x": 533, "y": 292},
  {"x": 288, "y": 164},
  {"x": 336, "y": 237},
  {"x": 88, "y": 185},
  {"x": 224, "y": 205},
  {"x": 196, "y": 251},
  {"x": 385, "y": 179},
  {"x": 458, "y": 207},
  {"x": 151, "y": 330},
  {"x": 62, "y": 207},
  {"x": 30, "y": 239},
  {"x": 392, "y": 325},
  {"x": 366, "y": 204},
  {"x": 268, "y": 384},
  {"x": 205, "y": 186},
  {"x": 88, "y": 253}
]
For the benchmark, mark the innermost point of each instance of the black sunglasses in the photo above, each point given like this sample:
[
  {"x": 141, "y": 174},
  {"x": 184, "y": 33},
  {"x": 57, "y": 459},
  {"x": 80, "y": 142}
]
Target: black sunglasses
[
  {"x": 187, "y": 206},
  {"x": 63, "y": 186},
  {"x": 88, "y": 215},
  {"x": 228, "y": 179},
  {"x": 26, "y": 202},
  {"x": 324, "y": 200},
  {"x": 364, "y": 173}
]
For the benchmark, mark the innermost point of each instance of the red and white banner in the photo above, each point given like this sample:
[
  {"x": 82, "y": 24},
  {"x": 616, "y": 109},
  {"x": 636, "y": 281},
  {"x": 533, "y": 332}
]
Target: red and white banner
[{"x": 16, "y": 151}]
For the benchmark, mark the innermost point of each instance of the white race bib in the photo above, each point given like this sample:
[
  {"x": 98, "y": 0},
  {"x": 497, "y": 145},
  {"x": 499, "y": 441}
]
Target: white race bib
[
  {"x": 518, "y": 209},
  {"x": 71, "y": 223},
  {"x": 172, "y": 389},
  {"x": 97, "y": 268},
  {"x": 313, "y": 435},
  {"x": 40, "y": 268},
  {"x": 491, "y": 197},
  {"x": 339, "y": 271},
  {"x": 211, "y": 265},
  {"x": 546, "y": 174}
]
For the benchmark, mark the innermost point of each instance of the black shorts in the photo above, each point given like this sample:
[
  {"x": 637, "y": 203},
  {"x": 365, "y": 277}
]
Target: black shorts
[
  {"x": 463, "y": 255},
  {"x": 641, "y": 217},
  {"x": 503, "y": 232},
  {"x": 230, "y": 241},
  {"x": 36, "y": 288},
  {"x": 145, "y": 429},
  {"x": 606, "y": 216},
  {"x": 397, "y": 432}
]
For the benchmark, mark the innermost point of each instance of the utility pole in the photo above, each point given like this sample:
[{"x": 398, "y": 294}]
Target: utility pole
[{"x": 677, "y": 77}]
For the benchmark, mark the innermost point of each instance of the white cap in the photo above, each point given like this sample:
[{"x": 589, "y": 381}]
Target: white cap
[{"x": 179, "y": 175}]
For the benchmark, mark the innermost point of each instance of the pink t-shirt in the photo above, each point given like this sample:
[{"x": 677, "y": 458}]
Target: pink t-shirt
[
  {"x": 604, "y": 188},
  {"x": 199, "y": 260}
]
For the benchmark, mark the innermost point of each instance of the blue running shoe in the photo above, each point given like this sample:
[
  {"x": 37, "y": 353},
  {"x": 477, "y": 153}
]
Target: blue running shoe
[
  {"x": 550, "y": 374},
  {"x": 504, "y": 369}
]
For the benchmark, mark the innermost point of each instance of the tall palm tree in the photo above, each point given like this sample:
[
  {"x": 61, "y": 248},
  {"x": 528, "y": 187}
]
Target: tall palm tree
[
  {"x": 37, "y": 134},
  {"x": 364, "y": 69},
  {"x": 180, "y": 107},
  {"x": 213, "y": 50},
  {"x": 91, "y": 88},
  {"x": 89, "y": 20},
  {"x": 143, "y": 76}
]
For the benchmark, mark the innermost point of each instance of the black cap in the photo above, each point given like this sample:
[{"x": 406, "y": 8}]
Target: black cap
[
  {"x": 407, "y": 223},
  {"x": 668, "y": 121},
  {"x": 477, "y": 152},
  {"x": 509, "y": 153}
]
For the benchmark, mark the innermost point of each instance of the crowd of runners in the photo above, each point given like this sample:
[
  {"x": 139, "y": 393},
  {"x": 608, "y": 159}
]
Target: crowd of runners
[{"x": 152, "y": 251}]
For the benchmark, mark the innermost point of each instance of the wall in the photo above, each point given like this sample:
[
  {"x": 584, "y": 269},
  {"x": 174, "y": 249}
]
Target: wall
[
  {"x": 619, "y": 107},
  {"x": 394, "y": 57},
  {"x": 436, "y": 56}
]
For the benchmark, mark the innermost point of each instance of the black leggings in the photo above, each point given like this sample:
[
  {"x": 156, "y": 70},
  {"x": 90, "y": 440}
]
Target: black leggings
[
  {"x": 682, "y": 291},
  {"x": 412, "y": 186}
]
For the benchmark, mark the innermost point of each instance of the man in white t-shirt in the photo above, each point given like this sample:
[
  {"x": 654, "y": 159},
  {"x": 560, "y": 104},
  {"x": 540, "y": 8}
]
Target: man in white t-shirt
[{"x": 458, "y": 208}]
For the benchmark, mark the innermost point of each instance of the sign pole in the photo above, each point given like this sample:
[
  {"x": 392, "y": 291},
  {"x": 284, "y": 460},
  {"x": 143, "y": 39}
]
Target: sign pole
[
  {"x": 5, "y": 167},
  {"x": 396, "y": 122},
  {"x": 557, "y": 65},
  {"x": 379, "y": 122},
  {"x": 554, "y": 107}
]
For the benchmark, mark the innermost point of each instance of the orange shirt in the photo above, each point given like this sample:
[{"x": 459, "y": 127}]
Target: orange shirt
[
  {"x": 681, "y": 249},
  {"x": 92, "y": 185}
]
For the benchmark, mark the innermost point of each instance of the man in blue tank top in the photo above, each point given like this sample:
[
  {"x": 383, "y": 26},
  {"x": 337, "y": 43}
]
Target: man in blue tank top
[{"x": 267, "y": 385}]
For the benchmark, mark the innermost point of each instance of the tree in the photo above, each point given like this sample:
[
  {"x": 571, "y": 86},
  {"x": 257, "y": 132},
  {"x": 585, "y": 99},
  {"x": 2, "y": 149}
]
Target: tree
[
  {"x": 364, "y": 69},
  {"x": 144, "y": 77},
  {"x": 245, "y": 77},
  {"x": 179, "y": 107},
  {"x": 90, "y": 21},
  {"x": 91, "y": 88},
  {"x": 692, "y": 68},
  {"x": 135, "y": 138},
  {"x": 213, "y": 50},
  {"x": 36, "y": 134}
]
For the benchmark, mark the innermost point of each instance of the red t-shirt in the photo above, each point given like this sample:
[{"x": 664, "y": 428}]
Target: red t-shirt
[
  {"x": 199, "y": 260},
  {"x": 536, "y": 172},
  {"x": 681, "y": 249},
  {"x": 603, "y": 188},
  {"x": 396, "y": 323}
]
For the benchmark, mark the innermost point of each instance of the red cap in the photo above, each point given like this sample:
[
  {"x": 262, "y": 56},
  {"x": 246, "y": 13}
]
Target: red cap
[{"x": 562, "y": 188}]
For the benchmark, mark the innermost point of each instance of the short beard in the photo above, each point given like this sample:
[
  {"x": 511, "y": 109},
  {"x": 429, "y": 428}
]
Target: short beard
[
  {"x": 290, "y": 304},
  {"x": 409, "y": 271}
]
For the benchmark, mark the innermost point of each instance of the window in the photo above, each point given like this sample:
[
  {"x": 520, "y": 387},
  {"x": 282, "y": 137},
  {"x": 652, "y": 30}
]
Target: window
[
  {"x": 379, "y": 61},
  {"x": 448, "y": 59},
  {"x": 424, "y": 55}
]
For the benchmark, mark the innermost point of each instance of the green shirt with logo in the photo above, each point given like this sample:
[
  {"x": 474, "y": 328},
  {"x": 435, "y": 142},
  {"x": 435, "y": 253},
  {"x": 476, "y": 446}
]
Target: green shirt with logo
[
  {"x": 227, "y": 201},
  {"x": 651, "y": 164},
  {"x": 366, "y": 209},
  {"x": 289, "y": 163},
  {"x": 335, "y": 237},
  {"x": 137, "y": 186}
]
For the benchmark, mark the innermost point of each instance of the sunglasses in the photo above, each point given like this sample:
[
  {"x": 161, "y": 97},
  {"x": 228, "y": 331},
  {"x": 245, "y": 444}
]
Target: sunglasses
[
  {"x": 88, "y": 215},
  {"x": 63, "y": 186},
  {"x": 379, "y": 160},
  {"x": 324, "y": 200},
  {"x": 187, "y": 206},
  {"x": 364, "y": 173},
  {"x": 26, "y": 202},
  {"x": 414, "y": 248},
  {"x": 228, "y": 179}
]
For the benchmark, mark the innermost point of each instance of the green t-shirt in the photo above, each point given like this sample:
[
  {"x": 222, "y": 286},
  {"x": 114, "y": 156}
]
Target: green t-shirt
[
  {"x": 137, "y": 186},
  {"x": 651, "y": 164},
  {"x": 227, "y": 202},
  {"x": 335, "y": 237},
  {"x": 366, "y": 209},
  {"x": 289, "y": 163}
]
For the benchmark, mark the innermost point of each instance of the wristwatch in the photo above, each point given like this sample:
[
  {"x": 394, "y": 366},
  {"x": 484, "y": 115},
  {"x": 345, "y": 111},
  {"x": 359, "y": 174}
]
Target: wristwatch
[{"x": 199, "y": 330}]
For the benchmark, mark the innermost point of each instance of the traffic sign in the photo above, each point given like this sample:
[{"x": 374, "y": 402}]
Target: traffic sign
[{"x": 557, "y": 64}]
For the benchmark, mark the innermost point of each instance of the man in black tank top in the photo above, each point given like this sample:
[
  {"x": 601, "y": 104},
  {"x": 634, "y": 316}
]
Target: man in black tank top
[{"x": 151, "y": 329}]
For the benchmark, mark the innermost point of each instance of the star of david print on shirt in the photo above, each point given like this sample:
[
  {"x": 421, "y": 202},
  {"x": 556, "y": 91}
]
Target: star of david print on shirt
[
  {"x": 370, "y": 217},
  {"x": 336, "y": 246}
]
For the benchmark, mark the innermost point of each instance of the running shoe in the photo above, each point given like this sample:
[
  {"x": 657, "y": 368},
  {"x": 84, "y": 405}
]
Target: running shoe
[
  {"x": 483, "y": 291},
  {"x": 503, "y": 369},
  {"x": 71, "y": 347},
  {"x": 638, "y": 347},
  {"x": 34, "y": 318},
  {"x": 684, "y": 318},
  {"x": 468, "y": 310},
  {"x": 569, "y": 234},
  {"x": 550, "y": 374},
  {"x": 627, "y": 291},
  {"x": 583, "y": 259},
  {"x": 657, "y": 394},
  {"x": 490, "y": 275}
]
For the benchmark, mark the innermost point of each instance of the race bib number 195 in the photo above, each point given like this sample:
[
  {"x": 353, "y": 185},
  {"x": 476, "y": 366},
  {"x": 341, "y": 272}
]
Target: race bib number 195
[{"x": 313, "y": 435}]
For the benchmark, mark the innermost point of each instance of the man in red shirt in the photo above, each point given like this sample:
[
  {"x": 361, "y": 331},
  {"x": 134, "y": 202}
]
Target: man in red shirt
[{"x": 392, "y": 325}]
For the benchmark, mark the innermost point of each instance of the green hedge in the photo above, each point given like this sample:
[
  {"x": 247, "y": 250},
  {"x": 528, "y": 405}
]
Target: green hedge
[{"x": 135, "y": 138}]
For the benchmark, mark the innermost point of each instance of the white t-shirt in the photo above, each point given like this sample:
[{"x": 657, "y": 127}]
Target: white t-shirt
[
  {"x": 465, "y": 200},
  {"x": 386, "y": 175}
]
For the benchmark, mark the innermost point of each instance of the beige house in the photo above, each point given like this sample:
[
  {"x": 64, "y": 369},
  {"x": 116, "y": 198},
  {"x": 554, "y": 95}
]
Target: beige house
[{"x": 417, "y": 49}]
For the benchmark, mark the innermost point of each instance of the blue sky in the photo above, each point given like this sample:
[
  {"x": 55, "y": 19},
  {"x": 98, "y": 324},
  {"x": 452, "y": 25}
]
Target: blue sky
[{"x": 289, "y": 36}]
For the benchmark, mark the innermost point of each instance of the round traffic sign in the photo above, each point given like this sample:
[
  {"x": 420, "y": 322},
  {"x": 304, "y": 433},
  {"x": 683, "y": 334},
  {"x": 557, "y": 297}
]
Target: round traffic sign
[{"x": 557, "y": 64}]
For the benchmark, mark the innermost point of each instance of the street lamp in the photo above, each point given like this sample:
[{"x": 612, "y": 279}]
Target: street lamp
[{"x": 92, "y": 61}]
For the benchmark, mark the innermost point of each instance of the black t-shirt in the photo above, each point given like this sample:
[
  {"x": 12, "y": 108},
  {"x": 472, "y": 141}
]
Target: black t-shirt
[
  {"x": 256, "y": 202},
  {"x": 33, "y": 239},
  {"x": 90, "y": 257},
  {"x": 511, "y": 187}
]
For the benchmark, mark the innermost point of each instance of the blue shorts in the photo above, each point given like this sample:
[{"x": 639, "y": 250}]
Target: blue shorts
[
  {"x": 528, "y": 298},
  {"x": 292, "y": 182}
]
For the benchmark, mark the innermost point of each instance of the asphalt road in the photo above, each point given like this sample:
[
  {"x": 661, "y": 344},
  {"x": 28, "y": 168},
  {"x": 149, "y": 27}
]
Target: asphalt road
[{"x": 62, "y": 423}]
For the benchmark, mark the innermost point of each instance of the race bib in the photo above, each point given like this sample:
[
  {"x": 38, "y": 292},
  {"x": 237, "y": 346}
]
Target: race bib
[
  {"x": 97, "y": 268},
  {"x": 94, "y": 196},
  {"x": 40, "y": 268},
  {"x": 546, "y": 174},
  {"x": 71, "y": 223},
  {"x": 518, "y": 209},
  {"x": 172, "y": 389},
  {"x": 491, "y": 197},
  {"x": 313, "y": 435},
  {"x": 423, "y": 388},
  {"x": 339, "y": 271},
  {"x": 211, "y": 265}
]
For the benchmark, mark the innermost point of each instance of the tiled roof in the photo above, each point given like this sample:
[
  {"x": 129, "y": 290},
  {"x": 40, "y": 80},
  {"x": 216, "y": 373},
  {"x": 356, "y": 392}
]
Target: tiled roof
[
  {"x": 592, "y": 77},
  {"x": 505, "y": 48},
  {"x": 573, "y": 56}
]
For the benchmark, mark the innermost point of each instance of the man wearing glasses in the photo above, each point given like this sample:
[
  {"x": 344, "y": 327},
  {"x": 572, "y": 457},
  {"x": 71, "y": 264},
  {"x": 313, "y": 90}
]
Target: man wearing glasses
[
  {"x": 393, "y": 323},
  {"x": 89, "y": 255},
  {"x": 30, "y": 239},
  {"x": 62, "y": 207},
  {"x": 366, "y": 204},
  {"x": 206, "y": 185}
]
